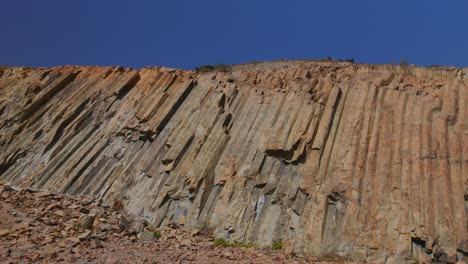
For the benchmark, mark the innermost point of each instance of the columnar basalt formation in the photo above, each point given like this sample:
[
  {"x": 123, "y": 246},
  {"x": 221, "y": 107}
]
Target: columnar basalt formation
[{"x": 367, "y": 161}]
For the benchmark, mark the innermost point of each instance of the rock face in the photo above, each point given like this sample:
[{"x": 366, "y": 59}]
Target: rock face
[{"x": 369, "y": 162}]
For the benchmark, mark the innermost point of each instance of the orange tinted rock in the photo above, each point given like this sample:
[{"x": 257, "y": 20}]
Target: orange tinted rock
[{"x": 369, "y": 160}]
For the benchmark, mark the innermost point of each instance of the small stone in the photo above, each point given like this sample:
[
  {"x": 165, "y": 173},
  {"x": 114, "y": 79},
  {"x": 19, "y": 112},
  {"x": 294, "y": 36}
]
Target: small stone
[
  {"x": 86, "y": 221},
  {"x": 9, "y": 188},
  {"x": 85, "y": 201},
  {"x": 52, "y": 229},
  {"x": 48, "y": 240},
  {"x": 73, "y": 206},
  {"x": 95, "y": 244},
  {"x": 17, "y": 253},
  {"x": 4, "y": 232},
  {"x": 101, "y": 227},
  {"x": 4, "y": 252},
  {"x": 124, "y": 223},
  {"x": 84, "y": 210},
  {"x": 44, "y": 194},
  {"x": 182, "y": 220},
  {"x": 100, "y": 236},
  {"x": 53, "y": 206},
  {"x": 21, "y": 226},
  {"x": 186, "y": 243},
  {"x": 85, "y": 235},
  {"x": 29, "y": 246},
  {"x": 49, "y": 251},
  {"x": 118, "y": 234},
  {"x": 195, "y": 232},
  {"x": 147, "y": 236},
  {"x": 173, "y": 225},
  {"x": 70, "y": 242},
  {"x": 131, "y": 231},
  {"x": 139, "y": 225},
  {"x": 60, "y": 213},
  {"x": 68, "y": 226},
  {"x": 74, "y": 214}
]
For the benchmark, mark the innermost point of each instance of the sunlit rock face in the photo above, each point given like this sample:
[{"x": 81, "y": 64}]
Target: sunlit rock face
[{"x": 364, "y": 161}]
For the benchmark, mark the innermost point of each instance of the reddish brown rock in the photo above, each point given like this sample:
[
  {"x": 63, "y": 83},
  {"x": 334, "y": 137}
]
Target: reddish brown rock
[
  {"x": 70, "y": 242},
  {"x": 367, "y": 161},
  {"x": 85, "y": 235},
  {"x": 49, "y": 252},
  {"x": 4, "y": 232},
  {"x": 86, "y": 221}
]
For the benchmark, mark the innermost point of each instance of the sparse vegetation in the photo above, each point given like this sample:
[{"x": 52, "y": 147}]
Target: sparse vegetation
[
  {"x": 405, "y": 67},
  {"x": 404, "y": 63},
  {"x": 155, "y": 231},
  {"x": 221, "y": 242},
  {"x": 328, "y": 58},
  {"x": 214, "y": 68},
  {"x": 278, "y": 244},
  {"x": 224, "y": 243}
]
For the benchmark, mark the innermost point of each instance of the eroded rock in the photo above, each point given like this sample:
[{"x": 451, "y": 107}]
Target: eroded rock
[{"x": 321, "y": 155}]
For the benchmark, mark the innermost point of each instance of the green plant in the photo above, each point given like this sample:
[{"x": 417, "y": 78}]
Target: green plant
[
  {"x": 155, "y": 231},
  {"x": 221, "y": 242},
  {"x": 328, "y": 58},
  {"x": 214, "y": 68},
  {"x": 278, "y": 244},
  {"x": 224, "y": 243},
  {"x": 350, "y": 60},
  {"x": 405, "y": 67},
  {"x": 404, "y": 63}
]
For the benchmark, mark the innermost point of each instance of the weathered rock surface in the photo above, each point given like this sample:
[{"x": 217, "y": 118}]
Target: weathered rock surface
[{"x": 370, "y": 162}]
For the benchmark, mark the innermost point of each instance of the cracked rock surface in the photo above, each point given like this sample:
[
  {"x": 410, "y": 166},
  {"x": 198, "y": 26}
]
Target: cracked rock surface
[{"x": 367, "y": 161}]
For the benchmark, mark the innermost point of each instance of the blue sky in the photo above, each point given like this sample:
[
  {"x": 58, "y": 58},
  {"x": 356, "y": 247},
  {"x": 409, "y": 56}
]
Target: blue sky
[{"x": 188, "y": 33}]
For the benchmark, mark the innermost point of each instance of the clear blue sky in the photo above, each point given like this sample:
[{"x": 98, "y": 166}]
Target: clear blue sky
[{"x": 187, "y": 33}]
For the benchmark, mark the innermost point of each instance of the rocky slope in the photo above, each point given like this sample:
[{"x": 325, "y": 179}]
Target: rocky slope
[
  {"x": 366, "y": 161},
  {"x": 41, "y": 227}
]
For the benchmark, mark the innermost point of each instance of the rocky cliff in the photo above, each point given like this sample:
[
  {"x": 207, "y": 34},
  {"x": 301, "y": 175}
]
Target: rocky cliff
[{"x": 365, "y": 161}]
